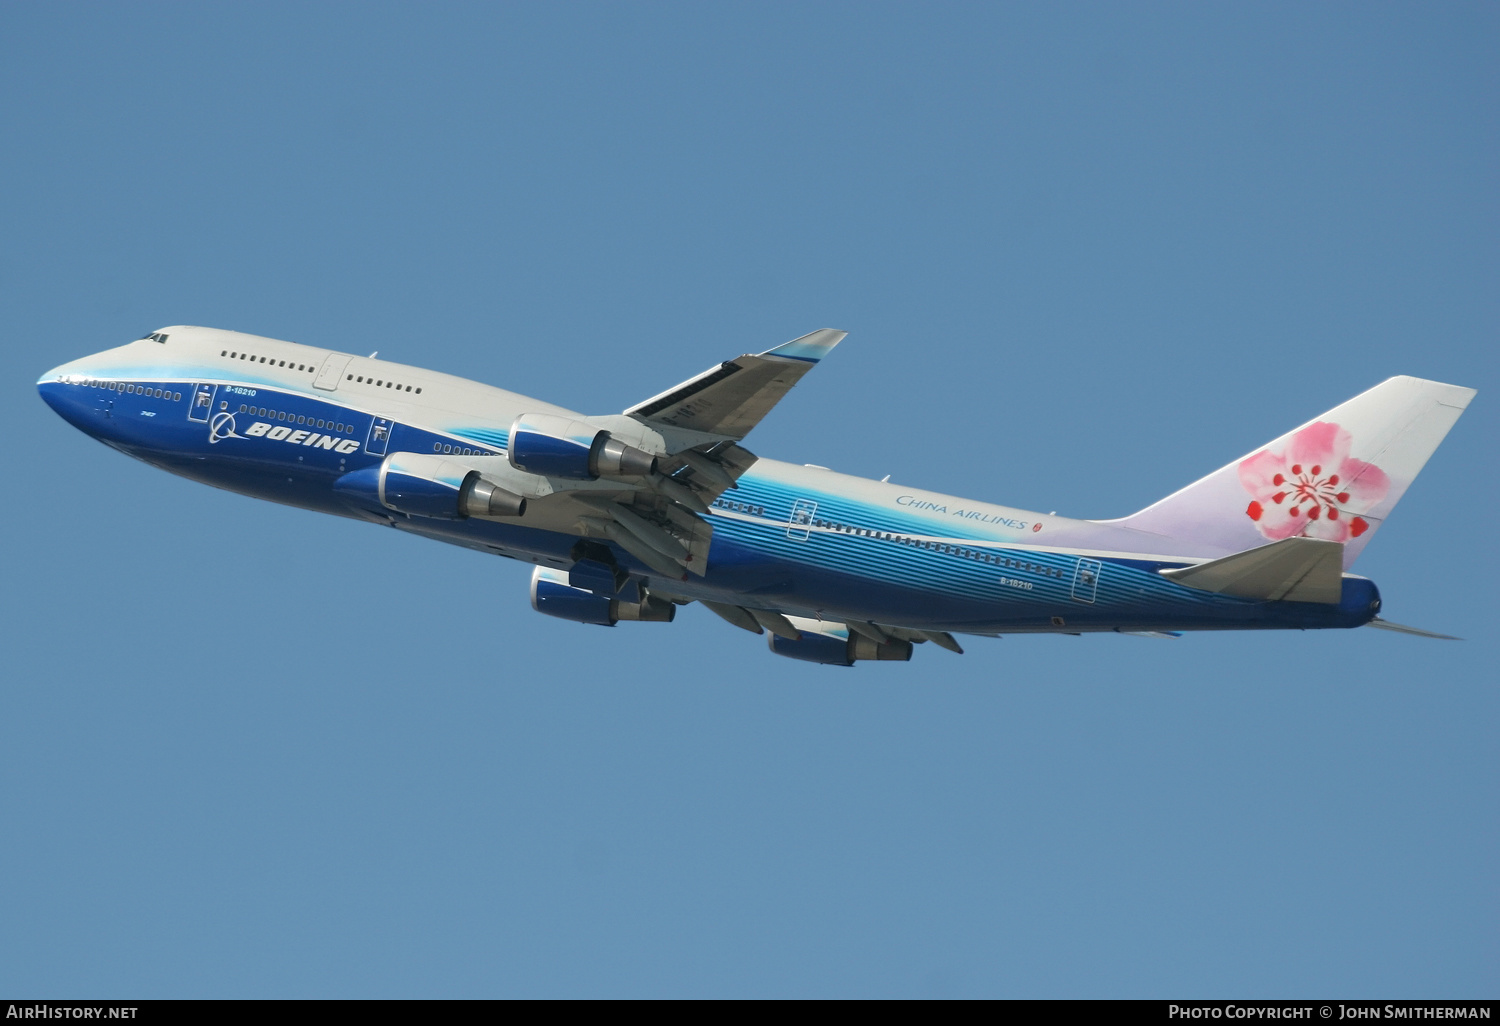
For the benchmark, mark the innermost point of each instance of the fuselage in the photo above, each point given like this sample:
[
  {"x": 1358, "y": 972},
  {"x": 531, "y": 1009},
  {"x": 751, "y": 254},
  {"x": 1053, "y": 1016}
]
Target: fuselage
[{"x": 282, "y": 421}]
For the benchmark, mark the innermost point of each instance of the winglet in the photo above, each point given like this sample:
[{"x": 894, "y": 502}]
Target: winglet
[{"x": 811, "y": 347}]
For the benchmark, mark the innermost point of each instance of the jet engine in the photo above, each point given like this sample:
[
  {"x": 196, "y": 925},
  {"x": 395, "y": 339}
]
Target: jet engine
[
  {"x": 430, "y": 486},
  {"x": 558, "y": 447},
  {"x": 833, "y": 644},
  {"x": 553, "y": 593}
]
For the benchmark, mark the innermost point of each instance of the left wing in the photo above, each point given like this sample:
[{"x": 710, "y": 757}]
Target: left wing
[{"x": 793, "y": 628}]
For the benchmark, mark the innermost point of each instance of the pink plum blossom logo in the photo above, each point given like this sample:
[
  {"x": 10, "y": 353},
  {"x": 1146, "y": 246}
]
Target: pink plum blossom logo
[{"x": 1314, "y": 489}]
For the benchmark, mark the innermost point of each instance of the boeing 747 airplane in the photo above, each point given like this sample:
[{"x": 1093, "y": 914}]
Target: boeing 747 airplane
[{"x": 628, "y": 516}]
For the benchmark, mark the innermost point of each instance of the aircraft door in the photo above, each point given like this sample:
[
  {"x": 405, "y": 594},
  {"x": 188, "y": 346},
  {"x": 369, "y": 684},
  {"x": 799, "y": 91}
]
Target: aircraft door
[
  {"x": 1086, "y": 580},
  {"x": 799, "y": 524},
  {"x": 203, "y": 403},
  {"x": 332, "y": 372},
  {"x": 379, "y": 437}
]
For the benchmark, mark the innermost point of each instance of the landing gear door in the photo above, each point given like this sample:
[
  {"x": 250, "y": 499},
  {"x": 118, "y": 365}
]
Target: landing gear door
[
  {"x": 202, "y": 404},
  {"x": 331, "y": 373}
]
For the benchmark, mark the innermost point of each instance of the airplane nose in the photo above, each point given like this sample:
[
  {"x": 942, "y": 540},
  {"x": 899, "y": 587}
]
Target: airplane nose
[
  {"x": 66, "y": 396},
  {"x": 54, "y": 394}
]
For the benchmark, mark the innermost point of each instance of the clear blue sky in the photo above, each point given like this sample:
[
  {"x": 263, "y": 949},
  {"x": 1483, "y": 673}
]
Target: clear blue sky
[{"x": 1086, "y": 253}]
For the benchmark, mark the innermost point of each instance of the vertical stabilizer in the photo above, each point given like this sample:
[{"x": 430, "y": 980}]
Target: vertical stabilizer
[{"x": 1335, "y": 478}]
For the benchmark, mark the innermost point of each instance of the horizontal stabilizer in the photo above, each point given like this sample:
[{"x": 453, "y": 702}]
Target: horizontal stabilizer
[
  {"x": 1291, "y": 570},
  {"x": 1401, "y": 628}
]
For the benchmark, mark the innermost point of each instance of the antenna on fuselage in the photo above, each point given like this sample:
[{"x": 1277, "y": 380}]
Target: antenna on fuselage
[{"x": 374, "y": 354}]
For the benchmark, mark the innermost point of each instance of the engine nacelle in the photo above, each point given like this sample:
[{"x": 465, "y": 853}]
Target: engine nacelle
[
  {"x": 833, "y": 644},
  {"x": 552, "y": 446},
  {"x": 429, "y": 486},
  {"x": 553, "y": 593}
]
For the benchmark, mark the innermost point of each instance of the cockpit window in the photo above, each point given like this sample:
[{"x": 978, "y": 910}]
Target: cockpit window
[{"x": 153, "y": 337}]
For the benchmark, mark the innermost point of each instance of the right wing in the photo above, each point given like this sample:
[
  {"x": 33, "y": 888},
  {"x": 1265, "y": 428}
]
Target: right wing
[
  {"x": 730, "y": 399},
  {"x": 692, "y": 430}
]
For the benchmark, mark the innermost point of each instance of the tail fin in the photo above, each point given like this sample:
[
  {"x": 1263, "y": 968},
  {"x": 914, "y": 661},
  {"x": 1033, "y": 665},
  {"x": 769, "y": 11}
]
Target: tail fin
[{"x": 1335, "y": 478}]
